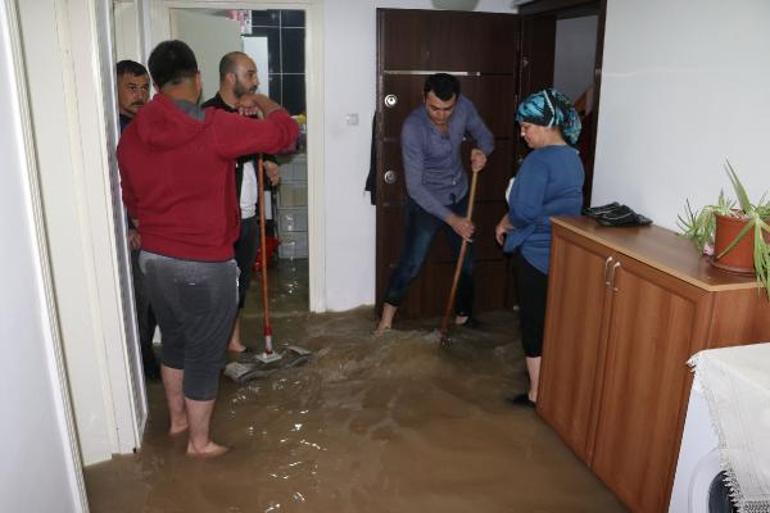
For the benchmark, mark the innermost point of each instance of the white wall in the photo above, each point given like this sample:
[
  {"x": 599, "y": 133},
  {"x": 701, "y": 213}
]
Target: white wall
[
  {"x": 38, "y": 460},
  {"x": 210, "y": 37},
  {"x": 574, "y": 60},
  {"x": 126, "y": 24},
  {"x": 350, "y": 87},
  {"x": 67, "y": 89},
  {"x": 684, "y": 86}
]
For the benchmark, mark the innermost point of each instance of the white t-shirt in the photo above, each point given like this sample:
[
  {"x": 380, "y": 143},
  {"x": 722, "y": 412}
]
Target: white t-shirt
[
  {"x": 249, "y": 191},
  {"x": 508, "y": 190}
]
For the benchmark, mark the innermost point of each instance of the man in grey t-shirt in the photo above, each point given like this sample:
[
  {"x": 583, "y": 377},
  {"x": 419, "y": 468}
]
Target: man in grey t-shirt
[{"x": 437, "y": 185}]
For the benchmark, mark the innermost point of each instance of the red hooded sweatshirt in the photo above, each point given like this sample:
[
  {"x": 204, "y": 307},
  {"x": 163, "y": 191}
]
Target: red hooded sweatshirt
[{"x": 177, "y": 175}]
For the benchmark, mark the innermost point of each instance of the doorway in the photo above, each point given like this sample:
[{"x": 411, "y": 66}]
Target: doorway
[
  {"x": 275, "y": 40},
  {"x": 562, "y": 45},
  {"x": 411, "y": 45},
  {"x": 547, "y": 44},
  {"x": 140, "y": 25},
  {"x": 143, "y": 24}
]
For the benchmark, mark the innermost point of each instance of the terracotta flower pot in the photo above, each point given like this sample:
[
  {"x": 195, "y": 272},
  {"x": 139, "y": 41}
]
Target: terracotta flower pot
[{"x": 740, "y": 259}]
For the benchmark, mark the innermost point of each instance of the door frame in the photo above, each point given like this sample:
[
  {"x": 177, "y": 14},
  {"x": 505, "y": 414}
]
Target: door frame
[
  {"x": 74, "y": 155},
  {"x": 314, "y": 93},
  {"x": 428, "y": 290},
  {"x": 574, "y": 9}
]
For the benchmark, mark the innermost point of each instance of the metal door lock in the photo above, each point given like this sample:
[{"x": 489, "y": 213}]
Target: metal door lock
[
  {"x": 391, "y": 100},
  {"x": 390, "y": 177}
]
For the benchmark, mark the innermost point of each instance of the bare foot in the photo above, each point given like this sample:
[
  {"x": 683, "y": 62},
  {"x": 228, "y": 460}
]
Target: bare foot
[
  {"x": 461, "y": 319},
  {"x": 234, "y": 345},
  {"x": 178, "y": 429},
  {"x": 386, "y": 321},
  {"x": 210, "y": 450},
  {"x": 381, "y": 329}
]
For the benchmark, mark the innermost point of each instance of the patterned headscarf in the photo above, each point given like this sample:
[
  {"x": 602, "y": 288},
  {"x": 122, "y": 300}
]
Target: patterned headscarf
[{"x": 550, "y": 108}]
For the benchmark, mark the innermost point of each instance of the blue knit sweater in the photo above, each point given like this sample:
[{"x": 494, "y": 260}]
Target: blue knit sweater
[{"x": 549, "y": 183}]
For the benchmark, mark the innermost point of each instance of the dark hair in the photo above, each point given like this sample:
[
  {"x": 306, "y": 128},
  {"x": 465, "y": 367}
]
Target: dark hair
[
  {"x": 172, "y": 62},
  {"x": 443, "y": 85},
  {"x": 129, "y": 66},
  {"x": 228, "y": 63}
]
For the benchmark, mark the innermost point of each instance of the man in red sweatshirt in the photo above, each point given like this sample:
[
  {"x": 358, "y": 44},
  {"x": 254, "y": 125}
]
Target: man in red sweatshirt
[{"x": 176, "y": 164}]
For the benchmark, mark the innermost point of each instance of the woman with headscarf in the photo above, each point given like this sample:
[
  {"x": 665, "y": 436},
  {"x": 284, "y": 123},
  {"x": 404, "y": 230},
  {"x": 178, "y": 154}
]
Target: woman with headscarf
[{"x": 548, "y": 183}]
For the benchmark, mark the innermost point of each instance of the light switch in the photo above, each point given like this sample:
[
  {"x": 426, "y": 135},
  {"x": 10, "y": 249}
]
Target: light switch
[{"x": 352, "y": 119}]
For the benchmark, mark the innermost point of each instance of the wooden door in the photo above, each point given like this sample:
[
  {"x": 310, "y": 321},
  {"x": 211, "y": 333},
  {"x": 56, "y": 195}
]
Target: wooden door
[
  {"x": 655, "y": 320},
  {"x": 573, "y": 348},
  {"x": 481, "y": 49}
]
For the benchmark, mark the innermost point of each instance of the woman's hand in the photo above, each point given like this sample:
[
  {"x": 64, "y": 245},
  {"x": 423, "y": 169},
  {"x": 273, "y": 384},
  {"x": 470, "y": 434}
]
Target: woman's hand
[{"x": 503, "y": 227}]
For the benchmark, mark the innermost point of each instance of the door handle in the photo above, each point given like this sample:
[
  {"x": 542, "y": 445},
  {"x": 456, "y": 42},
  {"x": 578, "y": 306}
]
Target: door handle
[
  {"x": 391, "y": 100},
  {"x": 613, "y": 269},
  {"x": 390, "y": 177},
  {"x": 607, "y": 263}
]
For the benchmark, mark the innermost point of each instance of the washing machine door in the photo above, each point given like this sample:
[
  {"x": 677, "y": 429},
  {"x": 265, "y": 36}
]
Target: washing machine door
[
  {"x": 708, "y": 492},
  {"x": 719, "y": 496}
]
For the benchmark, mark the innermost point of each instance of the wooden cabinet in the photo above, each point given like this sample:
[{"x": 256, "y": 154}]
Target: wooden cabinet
[
  {"x": 627, "y": 307},
  {"x": 577, "y": 296}
]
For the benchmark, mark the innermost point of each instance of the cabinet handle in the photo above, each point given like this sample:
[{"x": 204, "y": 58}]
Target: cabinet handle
[
  {"x": 607, "y": 263},
  {"x": 612, "y": 276}
]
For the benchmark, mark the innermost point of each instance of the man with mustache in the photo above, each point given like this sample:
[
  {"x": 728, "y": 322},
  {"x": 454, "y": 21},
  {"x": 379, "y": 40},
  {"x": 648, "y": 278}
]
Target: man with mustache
[
  {"x": 133, "y": 90},
  {"x": 133, "y": 93},
  {"x": 238, "y": 77}
]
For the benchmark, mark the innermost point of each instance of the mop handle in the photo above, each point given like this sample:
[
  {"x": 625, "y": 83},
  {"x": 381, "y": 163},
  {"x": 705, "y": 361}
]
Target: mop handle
[
  {"x": 460, "y": 258},
  {"x": 263, "y": 256}
]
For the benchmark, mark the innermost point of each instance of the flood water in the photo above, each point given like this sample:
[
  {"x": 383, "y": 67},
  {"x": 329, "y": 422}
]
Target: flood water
[{"x": 388, "y": 424}]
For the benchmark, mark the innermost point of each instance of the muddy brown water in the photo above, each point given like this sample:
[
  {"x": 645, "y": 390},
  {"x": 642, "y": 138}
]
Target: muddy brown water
[{"x": 388, "y": 424}]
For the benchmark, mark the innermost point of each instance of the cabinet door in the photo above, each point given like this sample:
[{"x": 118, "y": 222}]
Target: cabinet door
[
  {"x": 654, "y": 321},
  {"x": 573, "y": 348}
]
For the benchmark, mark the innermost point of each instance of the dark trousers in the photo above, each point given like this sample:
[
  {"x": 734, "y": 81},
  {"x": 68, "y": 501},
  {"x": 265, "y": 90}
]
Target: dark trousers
[
  {"x": 246, "y": 248},
  {"x": 145, "y": 318},
  {"x": 421, "y": 228},
  {"x": 533, "y": 289}
]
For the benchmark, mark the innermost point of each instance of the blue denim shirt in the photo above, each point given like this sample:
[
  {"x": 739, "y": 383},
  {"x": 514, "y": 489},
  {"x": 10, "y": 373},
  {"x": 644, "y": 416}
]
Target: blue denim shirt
[{"x": 435, "y": 175}]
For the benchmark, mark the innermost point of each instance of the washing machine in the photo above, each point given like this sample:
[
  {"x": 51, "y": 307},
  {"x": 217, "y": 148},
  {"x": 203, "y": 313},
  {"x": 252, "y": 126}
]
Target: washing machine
[{"x": 698, "y": 483}]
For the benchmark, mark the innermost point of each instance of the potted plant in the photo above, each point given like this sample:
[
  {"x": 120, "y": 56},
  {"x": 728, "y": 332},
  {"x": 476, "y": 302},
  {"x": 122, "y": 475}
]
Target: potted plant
[{"x": 735, "y": 236}]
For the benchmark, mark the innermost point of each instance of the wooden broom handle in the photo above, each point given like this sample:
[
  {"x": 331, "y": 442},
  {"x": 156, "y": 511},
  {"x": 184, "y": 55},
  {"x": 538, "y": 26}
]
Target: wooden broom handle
[{"x": 460, "y": 259}]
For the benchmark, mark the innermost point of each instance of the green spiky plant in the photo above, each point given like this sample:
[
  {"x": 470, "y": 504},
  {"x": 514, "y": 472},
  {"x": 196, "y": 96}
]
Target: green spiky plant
[{"x": 699, "y": 226}]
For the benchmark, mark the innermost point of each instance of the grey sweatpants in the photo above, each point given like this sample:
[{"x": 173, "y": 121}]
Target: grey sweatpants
[{"x": 195, "y": 305}]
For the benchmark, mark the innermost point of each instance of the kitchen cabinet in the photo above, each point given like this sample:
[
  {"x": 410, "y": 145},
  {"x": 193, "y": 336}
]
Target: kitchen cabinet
[{"x": 627, "y": 307}]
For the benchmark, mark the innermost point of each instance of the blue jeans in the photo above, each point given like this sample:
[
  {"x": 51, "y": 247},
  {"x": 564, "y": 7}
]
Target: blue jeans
[{"x": 421, "y": 229}]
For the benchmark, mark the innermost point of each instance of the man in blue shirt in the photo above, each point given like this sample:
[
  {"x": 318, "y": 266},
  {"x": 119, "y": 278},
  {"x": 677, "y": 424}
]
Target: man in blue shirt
[{"x": 437, "y": 186}]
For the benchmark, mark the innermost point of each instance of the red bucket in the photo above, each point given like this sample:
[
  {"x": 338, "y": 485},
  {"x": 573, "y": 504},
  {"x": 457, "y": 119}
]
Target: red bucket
[{"x": 271, "y": 244}]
